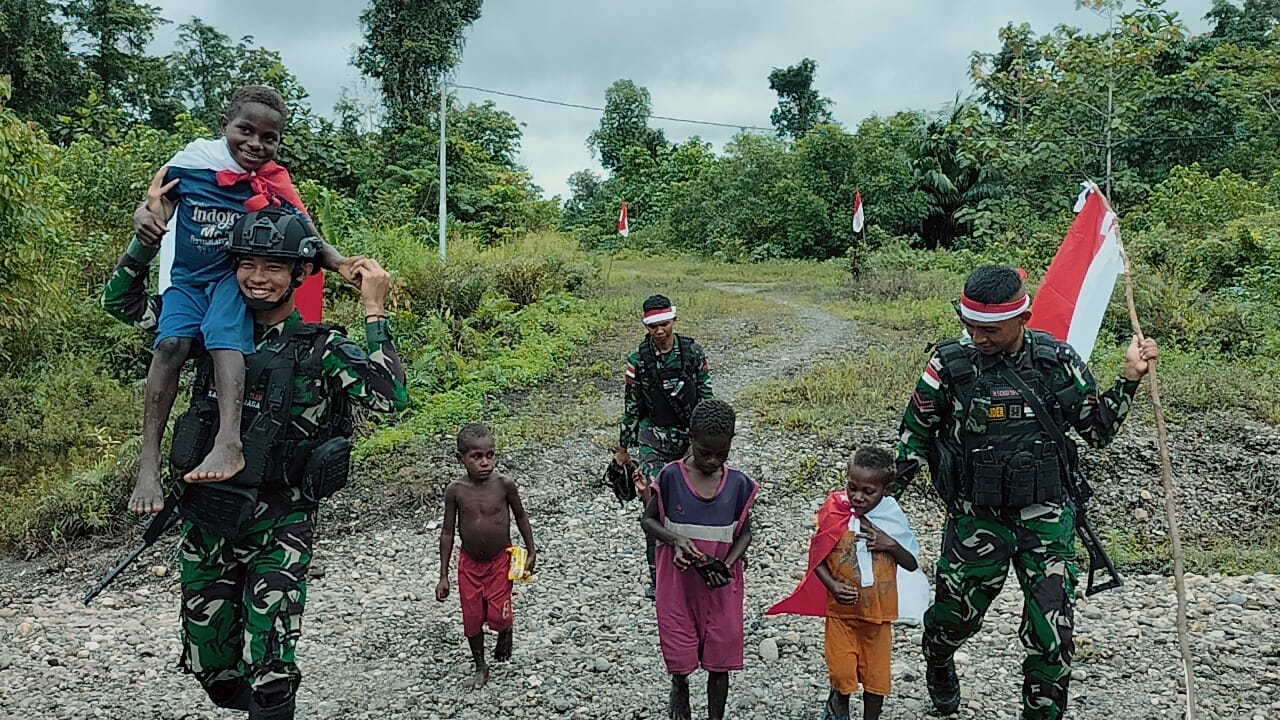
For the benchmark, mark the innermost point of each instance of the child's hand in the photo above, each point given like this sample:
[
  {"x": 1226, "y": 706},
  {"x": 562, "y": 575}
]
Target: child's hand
[
  {"x": 530, "y": 559},
  {"x": 687, "y": 554},
  {"x": 150, "y": 220},
  {"x": 877, "y": 539},
  {"x": 844, "y": 593},
  {"x": 442, "y": 590},
  {"x": 642, "y": 484}
]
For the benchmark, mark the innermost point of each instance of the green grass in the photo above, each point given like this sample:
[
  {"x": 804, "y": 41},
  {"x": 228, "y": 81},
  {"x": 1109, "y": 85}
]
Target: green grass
[
  {"x": 870, "y": 385},
  {"x": 1138, "y": 551}
]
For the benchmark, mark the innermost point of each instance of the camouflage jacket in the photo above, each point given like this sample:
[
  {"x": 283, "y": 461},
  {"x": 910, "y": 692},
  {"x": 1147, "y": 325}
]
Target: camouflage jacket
[
  {"x": 934, "y": 408},
  {"x": 634, "y": 413},
  {"x": 371, "y": 376}
]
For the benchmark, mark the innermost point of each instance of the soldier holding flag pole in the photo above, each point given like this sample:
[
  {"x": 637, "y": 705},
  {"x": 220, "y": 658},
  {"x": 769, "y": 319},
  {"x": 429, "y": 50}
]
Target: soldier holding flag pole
[{"x": 988, "y": 418}]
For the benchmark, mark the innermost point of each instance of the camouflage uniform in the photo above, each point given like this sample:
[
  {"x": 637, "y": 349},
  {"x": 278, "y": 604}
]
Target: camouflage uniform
[
  {"x": 243, "y": 597},
  {"x": 656, "y": 445},
  {"x": 980, "y": 542}
]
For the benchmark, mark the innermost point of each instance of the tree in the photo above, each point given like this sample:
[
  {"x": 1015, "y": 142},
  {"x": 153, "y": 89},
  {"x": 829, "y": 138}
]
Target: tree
[
  {"x": 47, "y": 79},
  {"x": 32, "y": 225},
  {"x": 624, "y": 124},
  {"x": 205, "y": 67},
  {"x": 409, "y": 46},
  {"x": 751, "y": 203},
  {"x": 952, "y": 176},
  {"x": 800, "y": 107},
  {"x": 116, "y": 34}
]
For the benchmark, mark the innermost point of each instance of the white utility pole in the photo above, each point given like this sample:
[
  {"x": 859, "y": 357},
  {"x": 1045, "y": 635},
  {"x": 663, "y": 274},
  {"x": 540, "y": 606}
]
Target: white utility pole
[{"x": 444, "y": 216}]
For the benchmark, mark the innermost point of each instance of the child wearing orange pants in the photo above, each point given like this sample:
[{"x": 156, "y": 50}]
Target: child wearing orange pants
[{"x": 862, "y": 541}]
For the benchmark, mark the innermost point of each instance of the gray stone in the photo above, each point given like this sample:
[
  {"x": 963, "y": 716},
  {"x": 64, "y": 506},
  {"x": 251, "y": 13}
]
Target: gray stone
[{"x": 769, "y": 650}]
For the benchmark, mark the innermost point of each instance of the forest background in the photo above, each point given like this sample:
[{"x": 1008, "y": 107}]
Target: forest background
[{"x": 1182, "y": 130}]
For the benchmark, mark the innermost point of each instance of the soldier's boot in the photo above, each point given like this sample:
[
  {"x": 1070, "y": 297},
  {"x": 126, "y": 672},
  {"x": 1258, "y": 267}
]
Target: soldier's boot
[
  {"x": 651, "y": 590},
  {"x": 282, "y": 711},
  {"x": 231, "y": 694},
  {"x": 944, "y": 686},
  {"x": 275, "y": 700}
]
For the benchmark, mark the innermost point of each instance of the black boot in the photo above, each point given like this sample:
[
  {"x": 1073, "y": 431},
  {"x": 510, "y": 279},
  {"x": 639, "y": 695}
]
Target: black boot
[
  {"x": 944, "y": 686},
  {"x": 283, "y": 711},
  {"x": 231, "y": 694}
]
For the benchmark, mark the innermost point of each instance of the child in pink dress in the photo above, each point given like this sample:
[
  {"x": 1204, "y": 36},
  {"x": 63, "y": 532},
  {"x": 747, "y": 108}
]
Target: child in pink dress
[{"x": 699, "y": 512}]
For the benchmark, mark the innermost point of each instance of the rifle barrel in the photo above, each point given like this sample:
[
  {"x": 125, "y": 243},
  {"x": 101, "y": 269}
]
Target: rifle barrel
[{"x": 115, "y": 571}]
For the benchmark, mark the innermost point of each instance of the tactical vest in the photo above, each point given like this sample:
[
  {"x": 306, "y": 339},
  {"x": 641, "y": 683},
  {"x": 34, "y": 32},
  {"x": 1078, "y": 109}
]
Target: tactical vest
[
  {"x": 669, "y": 392},
  {"x": 276, "y": 454},
  {"x": 1005, "y": 459}
]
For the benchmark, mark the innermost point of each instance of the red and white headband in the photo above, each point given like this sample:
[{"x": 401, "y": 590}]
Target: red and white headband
[
  {"x": 971, "y": 309},
  {"x": 659, "y": 315}
]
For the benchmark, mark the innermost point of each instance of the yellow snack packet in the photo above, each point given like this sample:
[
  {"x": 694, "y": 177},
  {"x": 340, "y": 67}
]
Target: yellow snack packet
[{"x": 518, "y": 559}]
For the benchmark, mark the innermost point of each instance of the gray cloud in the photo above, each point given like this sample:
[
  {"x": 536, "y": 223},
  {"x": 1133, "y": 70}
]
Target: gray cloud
[{"x": 703, "y": 60}]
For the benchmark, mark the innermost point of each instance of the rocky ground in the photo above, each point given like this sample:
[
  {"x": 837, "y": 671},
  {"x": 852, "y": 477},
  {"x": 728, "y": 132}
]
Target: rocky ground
[{"x": 377, "y": 644}]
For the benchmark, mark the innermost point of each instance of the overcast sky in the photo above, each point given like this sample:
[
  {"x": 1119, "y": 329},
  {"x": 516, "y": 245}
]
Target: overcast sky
[{"x": 700, "y": 59}]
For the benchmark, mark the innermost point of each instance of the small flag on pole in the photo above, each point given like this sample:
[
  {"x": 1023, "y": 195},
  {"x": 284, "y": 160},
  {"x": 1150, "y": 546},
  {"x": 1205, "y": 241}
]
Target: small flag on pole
[
  {"x": 1077, "y": 286},
  {"x": 623, "y": 228},
  {"x": 858, "y": 217}
]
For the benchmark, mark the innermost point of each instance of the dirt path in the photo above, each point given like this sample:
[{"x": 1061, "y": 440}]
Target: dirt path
[{"x": 377, "y": 645}]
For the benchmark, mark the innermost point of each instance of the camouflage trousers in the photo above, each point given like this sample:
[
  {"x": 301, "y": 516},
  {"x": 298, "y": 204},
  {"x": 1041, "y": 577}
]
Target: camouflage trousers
[
  {"x": 977, "y": 548},
  {"x": 658, "y": 446},
  {"x": 242, "y": 602}
]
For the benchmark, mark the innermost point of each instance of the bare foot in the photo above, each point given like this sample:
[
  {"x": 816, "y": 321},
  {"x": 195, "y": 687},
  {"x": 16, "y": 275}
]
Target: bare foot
[
  {"x": 147, "y": 496},
  {"x": 478, "y": 680},
  {"x": 222, "y": 463},
  {"x": 502, "y": 651}
]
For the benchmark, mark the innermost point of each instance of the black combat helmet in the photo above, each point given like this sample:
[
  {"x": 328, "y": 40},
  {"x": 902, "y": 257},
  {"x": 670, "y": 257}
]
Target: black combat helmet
[{"x": 273, "y": 232}]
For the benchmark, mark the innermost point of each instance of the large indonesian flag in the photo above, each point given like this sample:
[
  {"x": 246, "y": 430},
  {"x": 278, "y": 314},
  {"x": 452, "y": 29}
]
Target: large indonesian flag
[
  {"x": 624, "y": 229},
  {"x": 1077, "y": 287}
]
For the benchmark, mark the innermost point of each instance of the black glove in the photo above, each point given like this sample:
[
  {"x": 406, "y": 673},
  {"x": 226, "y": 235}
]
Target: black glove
[
  {"x": 714, "y": 573},
  {"x": 619, "y": 479}
]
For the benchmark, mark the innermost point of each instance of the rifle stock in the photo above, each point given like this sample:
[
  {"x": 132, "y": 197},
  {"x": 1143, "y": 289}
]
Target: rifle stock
[
  {"x": 1098, "y": 558},
  {"x": 163, "y": 520}
]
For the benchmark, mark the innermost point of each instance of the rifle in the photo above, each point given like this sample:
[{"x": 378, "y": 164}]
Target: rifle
[
  {"x": 159, "y": 524},
  {"x": 1078, "y": 489},
  {"x": 1079, "y": 492}
]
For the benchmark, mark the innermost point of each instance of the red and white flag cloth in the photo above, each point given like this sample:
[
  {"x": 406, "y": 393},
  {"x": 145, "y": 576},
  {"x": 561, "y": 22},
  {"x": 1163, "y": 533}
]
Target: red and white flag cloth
[
  {"x": 624, "y": 229},
  {"x": 1077, "y": 287},
  {"x": 858, "y": 217}
]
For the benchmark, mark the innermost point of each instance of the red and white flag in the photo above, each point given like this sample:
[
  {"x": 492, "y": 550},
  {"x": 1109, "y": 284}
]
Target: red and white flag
[
  {"x": 623, "y": 228},
  {"x": 1077, "y": 287},
  {"x": 858, "y": 217}
]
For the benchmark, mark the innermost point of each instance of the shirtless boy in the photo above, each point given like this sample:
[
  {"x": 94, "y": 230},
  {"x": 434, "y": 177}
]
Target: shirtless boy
[{"x": 481, "y": 504}]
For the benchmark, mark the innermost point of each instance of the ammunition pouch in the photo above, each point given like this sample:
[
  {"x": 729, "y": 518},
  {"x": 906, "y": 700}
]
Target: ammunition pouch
[
  {"x": 328, "y": 469},
  {"x": 220, "y": 508},
  {"x": 1026, "y": 477},
  {"x": 193, "y": 434},
  {"x": 945, "y": 474}
]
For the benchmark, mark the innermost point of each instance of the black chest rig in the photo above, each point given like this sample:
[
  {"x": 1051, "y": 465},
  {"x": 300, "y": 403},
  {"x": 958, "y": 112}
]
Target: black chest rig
[
  {"x": 276, "y": 457},
  {"x": 669, "y": 392},
  {"x": 1006, "y": 459}
]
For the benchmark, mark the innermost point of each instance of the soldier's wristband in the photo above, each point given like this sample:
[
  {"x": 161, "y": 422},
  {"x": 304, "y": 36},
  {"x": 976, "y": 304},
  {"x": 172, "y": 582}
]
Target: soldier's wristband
[
  {"x": 141, "y": 253},
  {"x": 377, "y": 332}
]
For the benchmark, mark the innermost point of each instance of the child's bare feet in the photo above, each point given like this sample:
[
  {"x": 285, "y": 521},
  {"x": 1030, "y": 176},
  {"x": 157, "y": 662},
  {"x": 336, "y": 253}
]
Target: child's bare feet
[
  {"x": 502, "y": 651},
  {"x": 222, "y": 463},
  {"x": 478, "y": 680},
  {"x": 147, "y": 495}
]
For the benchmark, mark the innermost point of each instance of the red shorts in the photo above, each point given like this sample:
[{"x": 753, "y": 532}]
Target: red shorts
[{"x": 485, "y": 591}]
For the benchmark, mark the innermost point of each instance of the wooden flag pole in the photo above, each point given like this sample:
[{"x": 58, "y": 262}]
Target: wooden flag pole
[{"x": 1170, "y": 506}]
